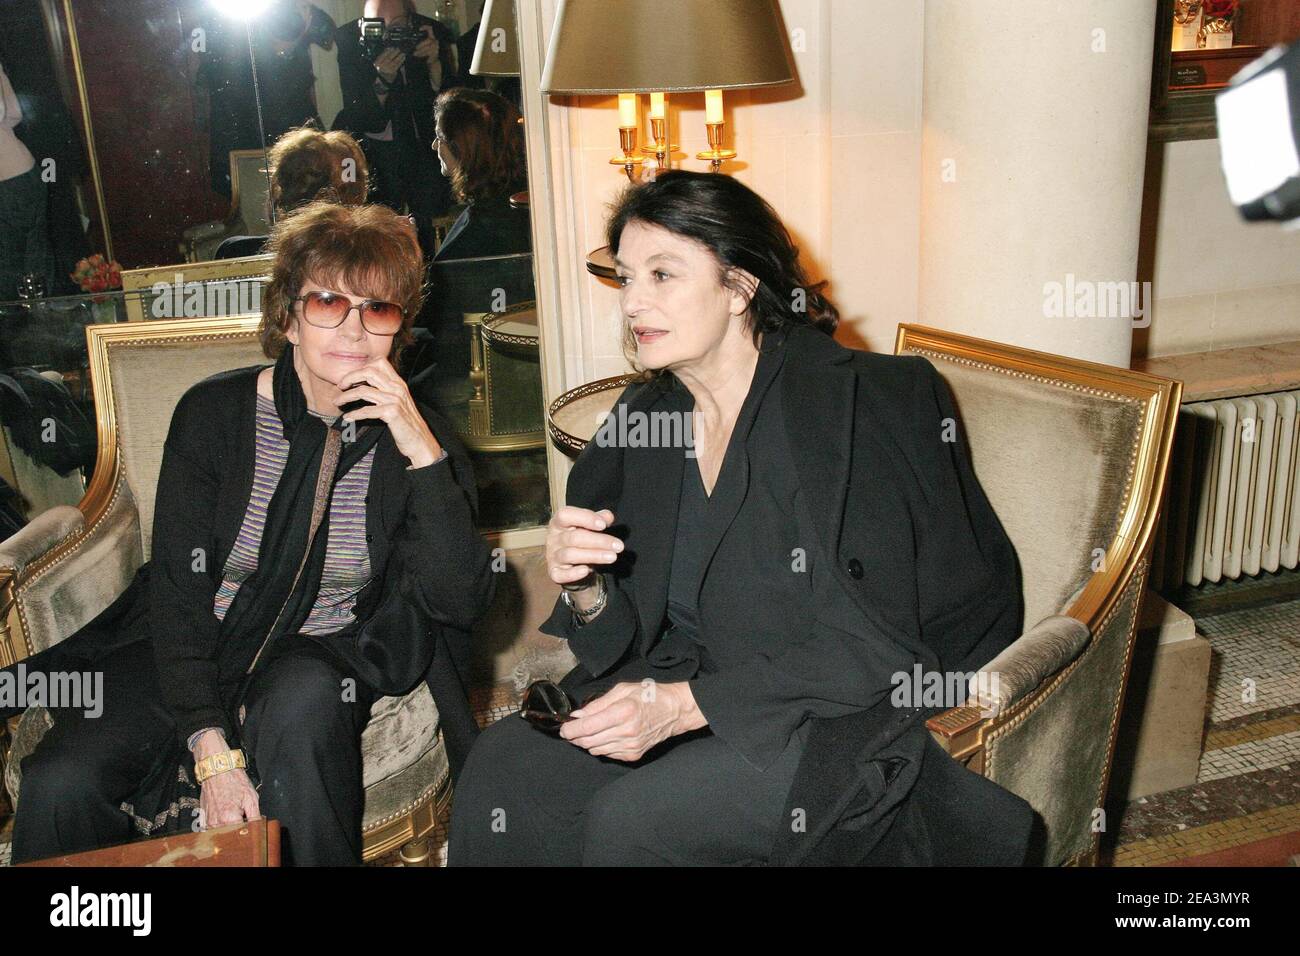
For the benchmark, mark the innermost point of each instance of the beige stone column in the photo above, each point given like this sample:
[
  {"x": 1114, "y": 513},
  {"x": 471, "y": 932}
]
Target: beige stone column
[{"x": 1034, "y": 121}]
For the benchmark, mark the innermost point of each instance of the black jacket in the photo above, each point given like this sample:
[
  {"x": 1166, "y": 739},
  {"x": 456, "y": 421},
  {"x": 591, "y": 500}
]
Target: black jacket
[
  {"x": 488, "y": 227},
  {"x": 921, "y": 561}
]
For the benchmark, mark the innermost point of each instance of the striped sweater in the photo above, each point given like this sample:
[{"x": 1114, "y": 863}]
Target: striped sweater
[{"x": 347, "y": 555}]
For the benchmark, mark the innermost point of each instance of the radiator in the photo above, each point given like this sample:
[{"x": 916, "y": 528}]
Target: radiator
[{"x": 1231, "y": 506}]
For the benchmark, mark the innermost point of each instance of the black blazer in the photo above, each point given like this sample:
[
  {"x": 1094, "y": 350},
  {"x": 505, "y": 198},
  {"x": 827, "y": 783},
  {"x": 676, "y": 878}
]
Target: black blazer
[
  {"x": 488, "y": 227},
  {"x": 920, "y": 560}
]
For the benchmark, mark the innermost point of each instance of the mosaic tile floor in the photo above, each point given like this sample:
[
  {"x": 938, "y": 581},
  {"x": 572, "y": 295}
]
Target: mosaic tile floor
[{"x": 1244, "y": 808}]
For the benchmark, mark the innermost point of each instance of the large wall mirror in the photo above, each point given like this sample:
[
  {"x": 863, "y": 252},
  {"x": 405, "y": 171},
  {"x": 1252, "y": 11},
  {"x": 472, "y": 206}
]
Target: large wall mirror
[{"x": 151, "y": 123}]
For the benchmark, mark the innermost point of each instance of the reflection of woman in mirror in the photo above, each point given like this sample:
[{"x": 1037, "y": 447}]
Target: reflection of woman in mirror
[
  {"x": 24, "y": 242},
  {"x": 307, "y": 165},
  {"x": 480, "y": 148},
  {"x": 480, "y": 144},
  {"x": 726, "y": 600},
  {"x": 276, "y": 608}
]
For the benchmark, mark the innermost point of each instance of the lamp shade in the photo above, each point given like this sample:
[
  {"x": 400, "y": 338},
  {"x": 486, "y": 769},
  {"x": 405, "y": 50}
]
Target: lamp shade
[
  {"x": 645, "y": 46},
  {"x": 496, "y": 52}
]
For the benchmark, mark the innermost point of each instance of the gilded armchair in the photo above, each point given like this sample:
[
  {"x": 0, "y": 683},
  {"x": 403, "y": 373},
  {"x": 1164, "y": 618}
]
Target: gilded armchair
[
  {"x": 249, "y": 209},
  {"x": 69, "y": 563},
  {"x": 1073, "y": 457}
]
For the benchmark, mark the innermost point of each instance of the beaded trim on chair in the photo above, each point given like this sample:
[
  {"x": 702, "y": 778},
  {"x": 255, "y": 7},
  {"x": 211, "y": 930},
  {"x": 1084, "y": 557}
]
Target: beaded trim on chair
[
  {"x": 407, "y": 809},
  {"x": 423, "y": 796},
  {"x": 1137, "y": 579}
]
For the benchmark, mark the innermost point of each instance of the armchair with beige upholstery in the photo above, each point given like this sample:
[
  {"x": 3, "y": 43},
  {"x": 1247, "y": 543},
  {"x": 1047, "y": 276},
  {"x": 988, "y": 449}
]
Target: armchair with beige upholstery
[
  {"x": 70, "y": 563},
  {"x": 1072, "y": 456}
]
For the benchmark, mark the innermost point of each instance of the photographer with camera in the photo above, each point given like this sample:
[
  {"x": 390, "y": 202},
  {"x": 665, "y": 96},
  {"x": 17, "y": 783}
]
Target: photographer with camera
[{"x": 392, "y": 64}]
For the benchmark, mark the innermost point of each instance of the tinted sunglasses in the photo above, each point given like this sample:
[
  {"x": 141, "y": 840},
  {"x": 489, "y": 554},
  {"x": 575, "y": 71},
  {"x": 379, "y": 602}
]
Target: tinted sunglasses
[
  {"x": 546, "y": 705},
  {"x": 327, "y": 310}
]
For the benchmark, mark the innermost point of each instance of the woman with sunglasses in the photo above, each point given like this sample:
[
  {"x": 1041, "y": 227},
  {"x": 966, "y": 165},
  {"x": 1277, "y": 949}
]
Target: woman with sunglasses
[
  {"x": 739, "y": 617},
  {"x": 313, "y": 549}
]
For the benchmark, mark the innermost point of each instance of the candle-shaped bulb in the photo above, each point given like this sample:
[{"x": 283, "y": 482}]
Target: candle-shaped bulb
[
  {"x": 626, "y": 110},
  {"x": 656, "y": 106},
  {"x": 713, "y": 106}
]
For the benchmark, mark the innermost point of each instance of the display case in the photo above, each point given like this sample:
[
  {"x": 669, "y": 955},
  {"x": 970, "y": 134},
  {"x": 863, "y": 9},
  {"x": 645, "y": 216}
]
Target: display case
[{"x": 1199, "y": 46}]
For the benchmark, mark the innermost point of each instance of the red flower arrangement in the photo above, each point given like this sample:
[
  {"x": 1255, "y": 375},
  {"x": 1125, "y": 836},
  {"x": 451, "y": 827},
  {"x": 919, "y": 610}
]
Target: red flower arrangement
[{"x": 97, "y": 274}]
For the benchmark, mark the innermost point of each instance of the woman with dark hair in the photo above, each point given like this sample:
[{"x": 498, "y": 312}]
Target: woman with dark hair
[
  {"x": 307, "y": 165},
  {"x": 738, "y": 619},
  {"x": 308, "y": 557},
  {"x": 480, "y": 144}
]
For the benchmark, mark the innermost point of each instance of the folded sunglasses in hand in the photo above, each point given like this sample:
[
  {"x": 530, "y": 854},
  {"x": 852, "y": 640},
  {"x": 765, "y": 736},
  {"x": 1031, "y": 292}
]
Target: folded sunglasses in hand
[{"x": 546, "y": 706}]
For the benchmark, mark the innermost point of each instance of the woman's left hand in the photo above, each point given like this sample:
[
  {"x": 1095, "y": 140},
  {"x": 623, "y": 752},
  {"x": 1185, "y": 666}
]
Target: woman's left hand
[
  {"x": 392, "y": 404},
  {"x": 629, "y": 719}
]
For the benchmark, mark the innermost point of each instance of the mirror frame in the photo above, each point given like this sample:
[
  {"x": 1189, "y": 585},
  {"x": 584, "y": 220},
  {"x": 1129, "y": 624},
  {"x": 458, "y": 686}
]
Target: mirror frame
[
  {"x": 60, "y": 33},
  {"x": 533, "y": 29},
  {"x": 212, "y": 270}
]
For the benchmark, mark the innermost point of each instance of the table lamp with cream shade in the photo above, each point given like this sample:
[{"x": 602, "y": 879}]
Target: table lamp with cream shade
[
  {"x": 496, "y": 51},
  {"x": 627, "y": 47}
]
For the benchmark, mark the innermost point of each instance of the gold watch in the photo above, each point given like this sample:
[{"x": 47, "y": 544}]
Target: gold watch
[{"x": 214, "y": 764}]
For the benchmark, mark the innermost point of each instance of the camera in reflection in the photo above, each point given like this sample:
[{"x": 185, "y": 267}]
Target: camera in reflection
[{"x": 376, "y": 37}]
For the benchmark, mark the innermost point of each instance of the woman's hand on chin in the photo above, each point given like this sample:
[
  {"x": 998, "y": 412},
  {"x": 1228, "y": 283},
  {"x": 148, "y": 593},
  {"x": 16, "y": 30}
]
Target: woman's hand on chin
[
  {"x": 393, "y": 405},
  {"x": 629, "y": 719}
]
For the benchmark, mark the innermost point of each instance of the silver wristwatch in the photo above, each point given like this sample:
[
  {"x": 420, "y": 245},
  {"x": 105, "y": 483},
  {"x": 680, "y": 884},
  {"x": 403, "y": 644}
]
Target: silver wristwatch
[{"x": 579, "y": 615}]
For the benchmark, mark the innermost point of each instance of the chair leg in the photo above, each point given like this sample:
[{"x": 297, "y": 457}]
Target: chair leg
[{"x": 416, "y": 852}]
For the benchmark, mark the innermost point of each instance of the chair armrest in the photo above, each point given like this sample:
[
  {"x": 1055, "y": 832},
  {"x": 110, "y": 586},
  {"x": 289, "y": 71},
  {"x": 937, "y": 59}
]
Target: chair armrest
[
  {"x": 39, "y": 536},
  {"x": 52, "y": 592},
  {"x": 1037, "y": 654},
  {"x": 1020, "y": 670}
]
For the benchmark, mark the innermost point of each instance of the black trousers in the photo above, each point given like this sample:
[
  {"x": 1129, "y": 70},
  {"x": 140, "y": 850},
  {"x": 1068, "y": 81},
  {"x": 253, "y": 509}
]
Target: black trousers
[
  {"x": 526, "y": 798},
  {"x": 24, "y": 240},
  {"x": 302, "y": 729}
]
